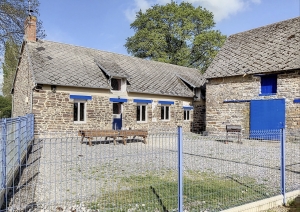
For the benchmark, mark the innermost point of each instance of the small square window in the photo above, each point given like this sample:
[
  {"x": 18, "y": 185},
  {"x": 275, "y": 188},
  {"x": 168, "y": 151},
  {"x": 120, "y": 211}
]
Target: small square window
[
  {"x": 165, "y": 112},
  {"x": 268, "y": 84},
  {"x": 79, "y": 112},
  {"x": 116, "y": 84},
  {"x": 186, "y": 115},
  {"x": 141, "y": 113}
]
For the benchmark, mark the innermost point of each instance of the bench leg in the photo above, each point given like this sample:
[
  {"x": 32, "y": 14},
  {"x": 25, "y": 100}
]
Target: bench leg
[
  {"x": 145, "y": 141},
  {"x": 114, "y": 140},
  {"x": 90, "y": 141},
  {"x": 82, "y": 137},
  {"x": 124, "y": 140}
]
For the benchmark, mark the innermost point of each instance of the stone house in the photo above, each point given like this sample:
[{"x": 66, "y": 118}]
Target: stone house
[
  {"x": 69, "y": 88},
  {"x": 254, "y": 81}
]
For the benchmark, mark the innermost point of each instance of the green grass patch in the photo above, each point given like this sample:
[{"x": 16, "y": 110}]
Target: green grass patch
[{"x": 202, "y": 191}]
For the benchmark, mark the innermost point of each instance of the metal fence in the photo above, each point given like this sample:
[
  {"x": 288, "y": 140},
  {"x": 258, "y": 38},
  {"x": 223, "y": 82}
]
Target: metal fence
[
  {"x": 218, "y": 172},
  {"x": 16, "y": 136}
]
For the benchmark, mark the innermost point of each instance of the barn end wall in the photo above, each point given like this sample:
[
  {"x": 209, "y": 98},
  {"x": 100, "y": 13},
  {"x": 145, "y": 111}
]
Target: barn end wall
[{"x": 219, "y": 114}]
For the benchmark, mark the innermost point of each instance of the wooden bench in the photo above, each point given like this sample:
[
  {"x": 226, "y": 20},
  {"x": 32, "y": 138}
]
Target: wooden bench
[
  {"x": 140, "y": 133},
  {"x": 90, "y": 134}
]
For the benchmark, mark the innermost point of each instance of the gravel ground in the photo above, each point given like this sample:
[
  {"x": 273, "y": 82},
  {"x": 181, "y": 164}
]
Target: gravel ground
[{"x": 70, "y": 173}]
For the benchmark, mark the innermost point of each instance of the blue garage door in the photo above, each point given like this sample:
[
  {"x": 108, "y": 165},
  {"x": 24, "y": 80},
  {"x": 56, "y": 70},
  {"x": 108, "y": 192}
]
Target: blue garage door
[{"x": 267, "y": 117}]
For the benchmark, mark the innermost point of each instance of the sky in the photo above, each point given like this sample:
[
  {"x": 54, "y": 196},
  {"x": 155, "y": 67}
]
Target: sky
[{"x": 105, "y": 25}]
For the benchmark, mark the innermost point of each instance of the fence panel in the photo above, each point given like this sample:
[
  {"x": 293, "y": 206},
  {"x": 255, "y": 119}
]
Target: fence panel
[
  {"x": 14, "y": 148},
  {"x": 223, "y": 172},
  {"x": 292, "y": 155},
  {"x": 103, "y": 177}
]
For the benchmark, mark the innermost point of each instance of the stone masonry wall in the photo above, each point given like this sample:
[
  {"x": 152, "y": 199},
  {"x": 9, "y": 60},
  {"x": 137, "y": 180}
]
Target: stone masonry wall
[
  {"x": 23, "y": 88},
  {"x": 218, "y": 114},
  {"x": 154, "y": 118},
  {"x": 199, "y": 117},
  {"x": 54, "y": 112}
]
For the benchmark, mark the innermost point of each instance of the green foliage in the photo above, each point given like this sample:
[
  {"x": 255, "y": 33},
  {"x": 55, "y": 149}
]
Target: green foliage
[
  {"x": 9, "y": 66},
  {"x": 5, "y": 107},
  {"x": 174, "y": 33}
]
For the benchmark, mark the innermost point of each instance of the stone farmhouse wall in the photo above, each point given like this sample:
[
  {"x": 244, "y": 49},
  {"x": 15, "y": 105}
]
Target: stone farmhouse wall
[
  {"x": 218, "y": 114},
  {"x": 23, "y": 88},
  {"x": 54, "y": 112}
]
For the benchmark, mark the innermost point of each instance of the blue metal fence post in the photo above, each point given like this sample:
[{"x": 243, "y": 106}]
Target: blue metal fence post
[
  {"x": 180, "y": 170},
  {"x": 282, "y": 164},
  {"x": 3, "y": 145}
]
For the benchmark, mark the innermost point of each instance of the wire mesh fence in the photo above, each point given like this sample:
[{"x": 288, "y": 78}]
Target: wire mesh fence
[
  {"x": 62, "y": 172},
  {"x": 16, "y": 137}
]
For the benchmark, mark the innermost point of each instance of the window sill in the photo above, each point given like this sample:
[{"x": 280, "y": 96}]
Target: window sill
[
  {"x": 79, "y": 122},
  {"x": 267, "y": 94},
  {"x": 141, "y": 122},
  {"x": 164, "y": 119}
]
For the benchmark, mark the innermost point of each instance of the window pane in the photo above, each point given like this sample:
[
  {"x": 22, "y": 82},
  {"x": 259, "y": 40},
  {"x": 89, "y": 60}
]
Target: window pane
[
  {"x": 116, "y": 84},
  {"x": 143, "y": 113},
  {"x": 187, "y": 115},
  {"x": 138, "y": 113},
  {"x": 162, "y": 112},
  {"x": 184, "y": 115},
  {"x": 167, "y": 112},
  {"x": 75, "y": 111},
  {"x": 81, "y": 111}
]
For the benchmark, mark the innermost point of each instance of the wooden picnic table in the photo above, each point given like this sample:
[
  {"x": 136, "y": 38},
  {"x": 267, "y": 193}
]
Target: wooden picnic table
[{"x": 90, "y": 134}]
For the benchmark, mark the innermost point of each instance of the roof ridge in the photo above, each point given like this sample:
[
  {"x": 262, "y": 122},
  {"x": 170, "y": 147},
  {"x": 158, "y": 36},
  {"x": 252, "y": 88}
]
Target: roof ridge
[{"x": 265, "y": 26}]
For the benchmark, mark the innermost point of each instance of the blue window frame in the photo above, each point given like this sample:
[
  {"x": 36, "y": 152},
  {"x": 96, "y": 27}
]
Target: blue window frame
[{"x": 268, "y": 85}]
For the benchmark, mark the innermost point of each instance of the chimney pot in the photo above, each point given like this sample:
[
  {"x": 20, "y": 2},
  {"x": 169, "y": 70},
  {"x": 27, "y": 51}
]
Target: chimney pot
[{"x": 30, "y": 28}]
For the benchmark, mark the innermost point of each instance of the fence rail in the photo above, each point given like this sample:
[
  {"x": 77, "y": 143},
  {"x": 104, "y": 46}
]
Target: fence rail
[{"x": 16, "y": 136}]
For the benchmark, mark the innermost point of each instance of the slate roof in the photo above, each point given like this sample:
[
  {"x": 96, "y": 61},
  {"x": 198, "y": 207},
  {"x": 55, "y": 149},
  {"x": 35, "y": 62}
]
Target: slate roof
[
  {"x": 68, "y": 65},
  {"x": 269, "y": 48}
]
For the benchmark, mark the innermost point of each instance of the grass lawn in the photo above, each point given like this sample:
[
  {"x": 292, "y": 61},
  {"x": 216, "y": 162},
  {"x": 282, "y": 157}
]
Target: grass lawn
[{"x": 202, "y": 191}]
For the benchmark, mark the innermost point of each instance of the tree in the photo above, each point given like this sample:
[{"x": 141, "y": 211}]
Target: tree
[
  {"x": 9, "y": 66},
  {"x": 5, "y": 107},
  {"x": 12, "y": 16},
  {"x": 174, "y": 33}
]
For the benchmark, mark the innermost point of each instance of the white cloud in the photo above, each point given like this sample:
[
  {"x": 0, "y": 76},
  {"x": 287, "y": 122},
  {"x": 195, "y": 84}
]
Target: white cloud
[
  {"x": 139, "y": 5},
  {"x": 221, "y": 9}
]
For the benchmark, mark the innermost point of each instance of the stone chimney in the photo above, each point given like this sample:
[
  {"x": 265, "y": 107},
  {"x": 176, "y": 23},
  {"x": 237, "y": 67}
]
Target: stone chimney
[{"x": 30, "y": 28}]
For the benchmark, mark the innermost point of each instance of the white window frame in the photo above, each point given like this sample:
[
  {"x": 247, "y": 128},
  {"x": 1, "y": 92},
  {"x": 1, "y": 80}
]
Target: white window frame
[
  {"x": 187, "y": 115},
  {"x": 141, "y": 111},
  {"x": 78, "y": 112},
  {"x": 165, "y": 113}
]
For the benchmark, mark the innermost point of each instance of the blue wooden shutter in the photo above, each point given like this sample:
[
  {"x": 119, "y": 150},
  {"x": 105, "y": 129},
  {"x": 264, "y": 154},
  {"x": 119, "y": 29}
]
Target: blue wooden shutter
[{"x": 269, "y": 84}]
